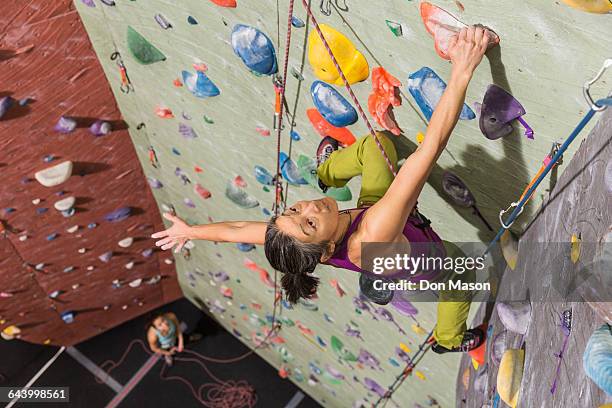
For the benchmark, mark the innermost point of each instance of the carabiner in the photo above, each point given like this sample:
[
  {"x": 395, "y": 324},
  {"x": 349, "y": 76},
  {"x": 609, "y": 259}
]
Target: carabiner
[
  {"x": 328, "y": 6},
  {"x": 587, "y": 85},
  {"x": 502, "y": 212}
]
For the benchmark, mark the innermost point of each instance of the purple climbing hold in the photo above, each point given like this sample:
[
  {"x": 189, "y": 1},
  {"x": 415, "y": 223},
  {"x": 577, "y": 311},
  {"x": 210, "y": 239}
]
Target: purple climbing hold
[
  {"x": 366, "y": 358},
  {"x": 88, "y": 3},
  {"x": 105, "y": 257},
  {"x": 497, "y": 112},
  {"x": 65, "y": 125},
  {"x": 189, "y": 203},
  {"x": 119, "y": 214},
  {"x": 154, "y": 183},
  {"x": 147, "y": 252},
  {"x": 373, "y": 386},
  {"x": 403, "y": 305},
  {"x": 68, "y": 317},
  {"x": 100, "y": 128},
  {"x": 5, "y": 104},
  {"x": 41, "y": 210},
  {"x": 187, "y": 131}
]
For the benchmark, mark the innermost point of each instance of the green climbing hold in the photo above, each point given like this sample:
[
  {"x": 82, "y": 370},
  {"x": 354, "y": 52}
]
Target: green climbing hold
[
  {"x": 396, "y": 28},
  {"x": 208, "y": 120},
  {"x": 338, "y": 348},
  {"x": 143, "y": 50},
  {"x": 266, "y": 189}
]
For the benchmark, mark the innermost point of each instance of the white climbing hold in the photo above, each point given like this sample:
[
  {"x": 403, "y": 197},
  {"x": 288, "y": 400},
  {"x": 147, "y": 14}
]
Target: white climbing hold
[
  {"x": 64, "y": 204},
  {"x": 54, "y": 175},
  {"x": 189, "y": 245},
  {"x": 72, "y": 229},
  {"x": 36, "y": 201},
  {"x": 40, "y": 266},
  {"x": 90, "y": 268},
  {"x": 126, "y": 242},
  {"x": 168, "y": 261},
  {"x": 124, "y": 307},
  {"x": 75, "y": 286},
  {"x": 82, "y": 250},
  {"x": 135, "y": 283},
  {"x": 129, "y": 265},
  {"x": 23, "y": 238},
  {"x": 515, "y": 316},
  {"x": 154, "y": 280}
]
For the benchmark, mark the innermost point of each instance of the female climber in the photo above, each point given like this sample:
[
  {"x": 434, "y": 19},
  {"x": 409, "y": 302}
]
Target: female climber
[{"x": 313, "y": 232}]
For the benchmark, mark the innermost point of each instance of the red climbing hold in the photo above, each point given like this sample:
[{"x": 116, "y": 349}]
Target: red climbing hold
[
  {"x": 198, "y": 169},
  {"x": 385, "y": 95},
  {"x": 177, "y": 82},
  {"x": 239, "y": 181},
  {"x": 324, "y": 128},
  {"x": 164, "y": 113},
  {"x": 225, "y": 3}
]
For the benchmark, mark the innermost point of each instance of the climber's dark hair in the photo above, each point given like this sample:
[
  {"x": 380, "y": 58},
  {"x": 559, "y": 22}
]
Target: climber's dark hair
[{"x": 295, "y": 259}]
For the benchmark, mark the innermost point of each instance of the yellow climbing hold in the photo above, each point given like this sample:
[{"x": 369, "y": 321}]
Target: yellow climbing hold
[
  {"x": 465, "y": 378},
  {"x": 475, "y": 364},
  {"x": 509, "y": 248},
  {"x": 420, "y": 375},
  {"x": 510, "y": 375},
  {"x": 575, "y": 251},
  {"x": 48, "y": 341},
  {"x": 591, "y": 6},
  {"x": 9, "y": 332},
  {"x": 418, "y": 329},
  {"x": 420, "y": 137},
  {"x": 351, "y": 61},
  {"x": 405, "y": 348}
]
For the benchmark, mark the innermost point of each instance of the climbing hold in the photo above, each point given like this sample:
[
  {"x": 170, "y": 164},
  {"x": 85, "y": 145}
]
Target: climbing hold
[
  {"x": 367, "y": 289},
  {"x": 239, "y": 181},
  {"x": 177, "y": 82},
  {"x": 147, "y": 252},
  {"x": 187, "y": 131},
  {"x": 100, "y": 128},
  {"x": 509, "y": 247},
  {"x": 201, "y": 191},
  {"x": 373, "y": 386},
  {"x": 5, "y": 104},
  {"x": 427, "y": 88},
  {"x": 515, "y": 316},
  {"x": 142, "y": 50},
  {"x": 38, "y": 210},
  {"x": 351, "y": 61},
  {"x": 65, "y": 125},
  {"x": 510, "y": 375},
  {"x": 324, "y": 128},
  {"x": 10, "y": 332},
  {"x": 126, "y": 242},
  {"x": 189, "y": 203},
  {"x": 332, "y": 105},
  {"x": 108, "y": 2},
  {"x": 162, "y": 21},
  {"x": 154, "y": 183},
  {"x": 135, "y": 283},
  {"x": 255, "y": 49},
  {"x": 67, "y": 317},
  {"x": 119, "y": 214},
  {"x": 294, "y": 135},
  {"x": 208, "y": 120},
  {"x": 92, "y": 225},
  {"x": 575, "y": 248},
  {"x": 88, "y": 3},
  {"x": 497, "y": 112},
  {"x": 163, "y": 112},
  {"x": 290, "y": 170},
  {"x": 262, "y": 130},
  {"x": 54, "y": 175},
  {"x": 105, "y": 257},
  {"x": 240, "y": 197},
  {"x": 384, "y": 96},
  {"x": 199, "y": 84},
  {"x": 297, "y": 74},
  {"x": 401, "y": 303},
  {"x": 245, "y": 247},
  {"x": 443, "y": 26},
  {"x": 72, "y": 229},
  {"x": 396, "y": 28},
  {"x": 591, "y": 6},
  {"x": 338, "y": 348},
  {"x": 191, "y": 20},
  {"x": 176, "y": 151},
  {"x": 297, "y": 22},
  {"x": 420, "y": 137},
  {"x": 420, "y": 375},
  {"x": 263, "y": 176},
  {"x": 417, "y": 329},
  {"x": 597, "y": 358},
  {"x": 225, "y": 3},
  {"x": 64, "y": 204},
  {"x": 461, "y": 194}
]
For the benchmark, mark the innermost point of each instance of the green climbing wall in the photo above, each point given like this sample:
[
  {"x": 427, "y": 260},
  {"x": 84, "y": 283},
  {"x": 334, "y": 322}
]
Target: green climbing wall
[{"x": 547, "y": 51}]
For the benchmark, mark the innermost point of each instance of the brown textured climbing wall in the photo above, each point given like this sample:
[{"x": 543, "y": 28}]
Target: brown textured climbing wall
[{"x": 62, "y": 76}]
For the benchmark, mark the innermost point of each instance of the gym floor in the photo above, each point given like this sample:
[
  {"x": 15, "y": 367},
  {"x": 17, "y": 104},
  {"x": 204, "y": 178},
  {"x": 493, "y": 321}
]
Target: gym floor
[{"x": 131, "y": 384}]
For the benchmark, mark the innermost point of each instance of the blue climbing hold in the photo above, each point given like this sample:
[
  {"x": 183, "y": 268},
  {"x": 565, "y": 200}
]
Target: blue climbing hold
[
  {"x": 200, "y": 85},
  {"x": 290, "y": 170},
  {"x": 68, "y": 317},
  {"x": 40, "y": 210},
  {"x": 332, "y": 105},
  {"x": 119, "y": 214},
  {"x": 266, "y": 212},
  {"x": 297, "y": 22},
  {"x": 255, "y": 49},
  {"x": 427, "y": 88},
  {"x": 92, "y": 225},
  {"x": 597, "y": 358},
  {"x": 52, "y": 236},
  {"x": 263, "y": 176},
  {"x": 245, "y": 247},
  {"x": 192, "y": 20},
  {"x": 175, "y": 151},
  {"x": 295, "y": 135}
]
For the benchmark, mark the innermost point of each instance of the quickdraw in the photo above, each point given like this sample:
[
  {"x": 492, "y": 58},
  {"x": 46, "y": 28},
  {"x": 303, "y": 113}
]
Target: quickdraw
[{"x": 126, "y": 84}]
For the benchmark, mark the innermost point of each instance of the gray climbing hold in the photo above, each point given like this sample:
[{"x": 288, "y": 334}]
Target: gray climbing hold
[
  {"x": 105, "y": 257},
  {"x": 5, "y": 104},
  {"x": 515, "y": 316},
  {"x": 65, "y": 204},
  {"x": 65, "y": 125},
  {"x": 54, "y": 175},
  {"x": 239, "y": 197}
]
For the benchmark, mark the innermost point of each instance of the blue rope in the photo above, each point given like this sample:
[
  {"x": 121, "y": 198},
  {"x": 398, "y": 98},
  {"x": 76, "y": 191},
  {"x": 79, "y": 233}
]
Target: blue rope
[{"x": 556, "y": 157}]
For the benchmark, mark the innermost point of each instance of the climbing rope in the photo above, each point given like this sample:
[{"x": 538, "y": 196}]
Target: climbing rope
[
  {"x": 595, "y": 107},
  {"x": 348, "y": 86}
]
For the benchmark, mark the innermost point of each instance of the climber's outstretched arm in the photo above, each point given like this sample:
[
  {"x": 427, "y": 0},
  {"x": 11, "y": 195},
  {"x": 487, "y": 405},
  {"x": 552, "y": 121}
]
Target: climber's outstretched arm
[
  {"x": 385, "y": 221},
  {"x": 250, "y": 232}
]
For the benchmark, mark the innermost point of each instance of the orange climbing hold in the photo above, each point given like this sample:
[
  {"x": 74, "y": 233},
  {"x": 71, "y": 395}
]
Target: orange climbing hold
[
  {"x": 479, "y": 353},
  {"x": 385, "y": 95},
  {"x": 225, "y": 3},
  {"x": 324, "y": 128},
  {"x": 177, "y": 82}
]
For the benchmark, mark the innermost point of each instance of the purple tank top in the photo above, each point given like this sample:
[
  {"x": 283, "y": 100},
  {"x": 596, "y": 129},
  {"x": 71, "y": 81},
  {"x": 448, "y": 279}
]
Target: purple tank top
[{"x": 413, "y": 231}]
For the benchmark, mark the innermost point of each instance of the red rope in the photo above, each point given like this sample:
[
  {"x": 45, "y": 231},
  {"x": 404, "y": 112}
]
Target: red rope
[{"x": 348, "y": 87}]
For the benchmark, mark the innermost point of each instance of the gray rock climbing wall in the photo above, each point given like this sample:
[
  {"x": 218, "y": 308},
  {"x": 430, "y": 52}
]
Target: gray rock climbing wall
[{"x": 547, "y": 51}]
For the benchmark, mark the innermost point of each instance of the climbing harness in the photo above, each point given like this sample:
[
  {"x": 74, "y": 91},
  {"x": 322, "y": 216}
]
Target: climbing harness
[
  {"x": 326, "y": 6},
  {"x": 126, "y": 84},
  {"x": 595, "y": 107}
]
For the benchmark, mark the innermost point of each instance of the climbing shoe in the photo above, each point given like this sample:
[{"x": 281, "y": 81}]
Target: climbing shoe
[
  {"x": 471, "y": 340},
  {"x": 327, "y": 146}
]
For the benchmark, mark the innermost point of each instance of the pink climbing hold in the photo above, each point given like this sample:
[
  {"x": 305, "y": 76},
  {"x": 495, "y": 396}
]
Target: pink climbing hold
[
  {"x": 262, "y": 131},
  {"x": 443, "y": 26},
  {"x": 201, "y": 191},
  {"x": 200, "y": 67},
  {"x": 385, "y": 95},
  {"x": 264, "y": 276},
  {"x": 239, "y": 181},
  {"x": 336, "y": 285},
  {"x": 164, "y": 113}
]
